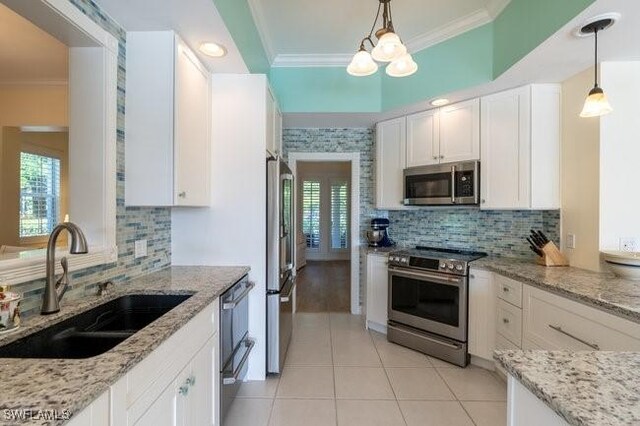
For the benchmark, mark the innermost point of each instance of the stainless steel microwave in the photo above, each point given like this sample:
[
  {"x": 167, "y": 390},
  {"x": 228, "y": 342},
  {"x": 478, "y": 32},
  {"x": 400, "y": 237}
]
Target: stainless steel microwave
[{"x": 455, "y": 184}]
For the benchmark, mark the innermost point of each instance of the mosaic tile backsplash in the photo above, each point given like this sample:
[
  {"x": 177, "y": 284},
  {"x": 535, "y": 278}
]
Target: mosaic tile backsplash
[
  {"x": 133, "y": 223},
  {"x": 496, "y": 232}
]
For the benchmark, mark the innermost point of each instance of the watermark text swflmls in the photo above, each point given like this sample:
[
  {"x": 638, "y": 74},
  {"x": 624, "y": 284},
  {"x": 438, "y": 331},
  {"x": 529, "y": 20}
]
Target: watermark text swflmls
[{"x": 35, "y": 414}]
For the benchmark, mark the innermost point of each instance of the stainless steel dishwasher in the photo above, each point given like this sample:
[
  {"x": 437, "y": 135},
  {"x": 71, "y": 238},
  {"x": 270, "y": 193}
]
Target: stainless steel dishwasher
[{"x": 235, "y": 344}]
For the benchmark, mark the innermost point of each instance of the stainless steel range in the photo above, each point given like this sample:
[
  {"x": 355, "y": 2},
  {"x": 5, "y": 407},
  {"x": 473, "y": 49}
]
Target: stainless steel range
[{"x": 428, "y": 301}]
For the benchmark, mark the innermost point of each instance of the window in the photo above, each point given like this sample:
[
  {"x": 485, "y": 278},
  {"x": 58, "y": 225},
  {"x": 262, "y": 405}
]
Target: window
[
  {"x": 311, "y": 213},
  {"x": 339, "y": 215},
  {"x": 39, "y": 194}
]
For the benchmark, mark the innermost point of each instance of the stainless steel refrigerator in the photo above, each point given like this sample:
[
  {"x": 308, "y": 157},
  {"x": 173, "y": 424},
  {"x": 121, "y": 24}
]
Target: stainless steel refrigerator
[{"x": 280, "y": 272}]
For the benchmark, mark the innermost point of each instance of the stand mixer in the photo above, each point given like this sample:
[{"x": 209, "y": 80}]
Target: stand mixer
[{"x": 378, "y": 236}]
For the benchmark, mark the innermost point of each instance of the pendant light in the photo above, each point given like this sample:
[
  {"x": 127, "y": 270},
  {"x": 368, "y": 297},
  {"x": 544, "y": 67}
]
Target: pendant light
[
  {"x": 596, "y": 104},
  {"x": 388, "y": 49}
]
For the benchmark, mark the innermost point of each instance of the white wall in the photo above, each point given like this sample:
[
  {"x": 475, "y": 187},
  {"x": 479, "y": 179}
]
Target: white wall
[
  {"x": 580, "y": 174},
  {"x": 233, "y": 230},
  {"x": 620, "y": 155}
]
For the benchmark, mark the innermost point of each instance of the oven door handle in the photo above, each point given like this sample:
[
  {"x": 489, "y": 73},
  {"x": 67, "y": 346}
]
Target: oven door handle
[
  {"x": 233, "y": 377},
  {"x": 232, "y": 304},
  {"x": 453, "y": 184},
  {"x": 426, "y": 275}
]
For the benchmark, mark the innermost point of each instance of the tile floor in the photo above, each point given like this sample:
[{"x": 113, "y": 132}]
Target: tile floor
[{"x": 337, "y": 373}]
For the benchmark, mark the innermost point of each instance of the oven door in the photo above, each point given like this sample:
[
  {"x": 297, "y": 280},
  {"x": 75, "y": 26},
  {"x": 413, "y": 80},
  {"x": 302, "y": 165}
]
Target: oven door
[{"x": 432, "y": 302}]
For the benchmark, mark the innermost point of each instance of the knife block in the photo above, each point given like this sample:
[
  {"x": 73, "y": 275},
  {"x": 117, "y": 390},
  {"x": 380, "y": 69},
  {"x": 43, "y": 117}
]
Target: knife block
[{"x": 552, "y": 256}]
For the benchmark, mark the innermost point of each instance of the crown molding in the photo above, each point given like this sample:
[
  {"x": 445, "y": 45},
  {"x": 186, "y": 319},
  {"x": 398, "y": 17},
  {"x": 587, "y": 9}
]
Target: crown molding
[
  {"x": 495, "y": 7},
  {"x": 312, "y": 60},
  {"x": 257, "y": 12}
]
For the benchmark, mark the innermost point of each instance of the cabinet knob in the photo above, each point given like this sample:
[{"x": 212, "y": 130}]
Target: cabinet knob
[
  {"x": 435, "y": 157},
  {"x": 505, "y": 320},
  {"x": 184, "y": 390},
  {"x": 191, "y": 381},
  {"x": 182, "y": 194},
  {"x": 483, "y": 201},
  {"x": 505, "y": 289},
  {"x": 442, "y": 157}
]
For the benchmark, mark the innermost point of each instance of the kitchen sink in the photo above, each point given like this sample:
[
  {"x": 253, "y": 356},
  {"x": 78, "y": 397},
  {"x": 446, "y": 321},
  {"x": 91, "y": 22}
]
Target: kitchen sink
[{"x": 95, "y": 331}]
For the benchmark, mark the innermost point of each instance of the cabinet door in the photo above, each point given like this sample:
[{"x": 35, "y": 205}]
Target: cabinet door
[
  {"x": 482, "y": 309},
  {"x": 505, "y": 150},
  {"x": 460, "y": 132},
  {"x": 377, "y": 289},
  {"x": 192, "y": 132},
  {"x": 390, "y": 163},
  {"x": 200, "y": 408},
  {"x": 163, "y": 411},
  {"x": 423, "y": 138}
]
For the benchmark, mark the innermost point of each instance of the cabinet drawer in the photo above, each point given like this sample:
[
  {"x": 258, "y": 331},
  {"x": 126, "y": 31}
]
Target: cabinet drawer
[
  {"x": 509, "y": 322},
  {"x": 509, "y": 290},
  {"x": 553, "y": 322}
]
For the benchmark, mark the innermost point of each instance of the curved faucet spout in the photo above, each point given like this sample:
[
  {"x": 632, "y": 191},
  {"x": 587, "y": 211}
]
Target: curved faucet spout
[{"x": 53, "y": 291}]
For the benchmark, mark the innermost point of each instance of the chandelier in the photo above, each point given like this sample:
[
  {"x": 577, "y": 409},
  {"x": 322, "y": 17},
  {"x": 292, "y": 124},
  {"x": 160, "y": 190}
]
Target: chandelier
[{"x": 389, "y": 49}]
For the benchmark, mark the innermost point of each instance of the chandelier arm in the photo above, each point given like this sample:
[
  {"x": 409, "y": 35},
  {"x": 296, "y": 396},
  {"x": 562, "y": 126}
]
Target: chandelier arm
[{"x": 373, "y": 27}]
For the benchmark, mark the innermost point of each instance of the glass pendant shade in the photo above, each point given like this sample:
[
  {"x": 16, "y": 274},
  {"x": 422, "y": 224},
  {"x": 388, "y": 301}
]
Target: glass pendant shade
[
  {"x": 389, "y": 48},
  {"x": 362, "y": 64},
  {"x": 596, "y": 104},
  {"x": 402, "y": 67}
]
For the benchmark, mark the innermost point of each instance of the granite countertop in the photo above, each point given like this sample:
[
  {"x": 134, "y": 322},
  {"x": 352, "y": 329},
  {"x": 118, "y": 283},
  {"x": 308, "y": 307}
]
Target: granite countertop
[
  {"x": 584, "y": 388},
  {"x": 72, "y": 384},
  {"x": 602, "y": 290},
  {"x": 382, "y": 251}
]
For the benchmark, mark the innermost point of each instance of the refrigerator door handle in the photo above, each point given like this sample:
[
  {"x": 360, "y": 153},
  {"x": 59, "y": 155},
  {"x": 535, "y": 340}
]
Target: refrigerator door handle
[{"x": 285, "y": 298}]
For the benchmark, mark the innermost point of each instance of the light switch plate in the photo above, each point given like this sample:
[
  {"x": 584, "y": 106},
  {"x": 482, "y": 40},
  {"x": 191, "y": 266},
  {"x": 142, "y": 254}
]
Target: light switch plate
[
  {"x": 571, "y": 241},
  {"x": 140, "y": 248}
]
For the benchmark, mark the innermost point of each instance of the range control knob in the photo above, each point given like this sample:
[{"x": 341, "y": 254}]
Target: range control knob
[
  {"x": 393, "y": 258},
  {"x": 450, "y": 266},
  {"x": 403, "y": 260},
  {"x": 458, "y": 267},
  {"x": 443, "y": 265}
]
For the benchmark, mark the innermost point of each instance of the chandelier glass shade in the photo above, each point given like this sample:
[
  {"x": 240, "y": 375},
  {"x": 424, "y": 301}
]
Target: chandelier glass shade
[
  {"x": 389, "y": 48},
  {"x": 596, "y": 104}
]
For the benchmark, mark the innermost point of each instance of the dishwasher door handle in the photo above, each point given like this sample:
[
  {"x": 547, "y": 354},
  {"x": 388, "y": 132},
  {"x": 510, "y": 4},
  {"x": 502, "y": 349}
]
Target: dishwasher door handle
[
  {"x": 233, "y": 377},
  {"x": 232, "y": 304}
]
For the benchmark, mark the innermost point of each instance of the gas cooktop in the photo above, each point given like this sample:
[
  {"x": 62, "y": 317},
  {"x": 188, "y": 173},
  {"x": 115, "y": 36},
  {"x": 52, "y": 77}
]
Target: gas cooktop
[{"x": 450, "y": 261}]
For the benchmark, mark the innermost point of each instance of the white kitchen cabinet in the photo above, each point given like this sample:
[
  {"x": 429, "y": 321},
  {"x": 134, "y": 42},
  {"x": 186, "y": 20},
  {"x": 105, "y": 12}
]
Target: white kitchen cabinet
[
  {"x": 168, "y": 122},
  {"x": 377, "y": 292},
  {"x": 460, "y": 131},
  {"x": 274, "y": 125},
  {"x": 526, "y": 409},
  {"x": 482, "y": 311},
  {"x": 520, "y": 149},
  {"x": 423, "y": 138},
  {"x": 96, "y": 414},
  {"x": 390, "y": 163}
]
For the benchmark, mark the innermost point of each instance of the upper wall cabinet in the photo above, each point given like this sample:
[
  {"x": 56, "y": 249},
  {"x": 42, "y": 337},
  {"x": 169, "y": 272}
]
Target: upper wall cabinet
[
  {"x": 520, "y": 152},
  {"x": 167, "y": 149},
  {"x": 444, "y": 135},
  {"x": 391, "y": 139}
]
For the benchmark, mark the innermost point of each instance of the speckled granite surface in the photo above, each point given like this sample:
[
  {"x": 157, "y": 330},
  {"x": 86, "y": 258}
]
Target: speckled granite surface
[
  {"x": 584, "y": 388},
  {"x": 58, "y": 384},
  {"x": 601, "y": 290},
  {"x": 382, "y": 251}
]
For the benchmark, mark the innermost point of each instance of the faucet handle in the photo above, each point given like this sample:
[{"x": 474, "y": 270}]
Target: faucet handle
[
  {"x": 63, "y": 282},
  {"x": 103, "y": 288}
]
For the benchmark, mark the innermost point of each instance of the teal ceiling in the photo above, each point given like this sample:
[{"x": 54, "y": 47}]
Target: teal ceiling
[{"x": 469, "y": 59}]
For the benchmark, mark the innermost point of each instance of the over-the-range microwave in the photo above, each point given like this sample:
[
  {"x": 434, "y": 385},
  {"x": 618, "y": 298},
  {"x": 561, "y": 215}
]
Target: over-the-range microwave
[{"x": 449, "y": 184}]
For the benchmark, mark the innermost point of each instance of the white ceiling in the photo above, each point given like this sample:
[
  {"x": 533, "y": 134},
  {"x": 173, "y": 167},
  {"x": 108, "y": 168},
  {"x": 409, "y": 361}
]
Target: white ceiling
[
  {"x": 195, "y": 21},
  {"x": 561, "y": 56},
  {"x": 29, "y": 54},
  {"x": 335, "y": 27}
]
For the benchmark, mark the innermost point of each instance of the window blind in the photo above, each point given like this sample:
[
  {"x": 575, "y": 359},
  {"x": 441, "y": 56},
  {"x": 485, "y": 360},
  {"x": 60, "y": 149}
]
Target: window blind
[
  {"x": 311, "y": 213},
  {"x": 39, "y": 194},
  {"x": 339, "y": 215}
]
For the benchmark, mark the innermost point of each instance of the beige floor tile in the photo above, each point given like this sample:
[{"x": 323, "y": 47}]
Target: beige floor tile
[
  {"x": 259, "y": 389},
  {"x": 486, "y": 413},
  {"x": 245, "y": 412},
  {"x": 306, "y": 382},
  {"x": 306, "y": 334},
  {"x": 303, "y": 412},
  {"x": 311, "y": 320},
  {"x": 440, "y": 363},
  {"x": 393, "y": 355},
  {"x": 474, "y": 384},
  {"x": 355, "y": 352},
  {"x": 362, "y": 383},
  {"x": 434, "y": 413},
  {"x": 346, "y": 321},
  {"x": 369, "y": 413},
  {"x": 418, "y": 384},
  {"x": 309, "y": 352}
]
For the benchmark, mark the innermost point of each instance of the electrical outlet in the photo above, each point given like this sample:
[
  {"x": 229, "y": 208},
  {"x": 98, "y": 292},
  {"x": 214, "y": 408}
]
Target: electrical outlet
[
  {"x": 140, "y": 248},
  {"x": 571, "y": 241},
  {"x": 628, "y": 244}
]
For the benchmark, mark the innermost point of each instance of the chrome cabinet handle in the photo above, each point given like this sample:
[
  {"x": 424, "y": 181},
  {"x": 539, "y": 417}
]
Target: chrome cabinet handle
[
  {"x": 442, "y": 157},
  {"x": 232, "y": 304},
  {"x": 505, "y": 320},
  {"x": 233, "y": 378},
  {"x": 584, "y": 342},
  {"x": 435, "y": 157},
  {"x": 191, "y": 381},
  {"x": 184, "y": 390},
  {"x": 182, "y": 194},
  {"x": 505, "y": 289}
]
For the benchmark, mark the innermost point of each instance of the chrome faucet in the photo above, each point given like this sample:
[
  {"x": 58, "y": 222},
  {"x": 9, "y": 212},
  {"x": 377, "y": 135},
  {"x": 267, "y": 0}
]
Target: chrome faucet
[{"x": 54, "y": 290}]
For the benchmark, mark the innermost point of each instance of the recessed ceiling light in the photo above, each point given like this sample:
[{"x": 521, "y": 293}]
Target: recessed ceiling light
[
  {"x": 439, "y": 102},
  {"x": 213, "y": 49}
]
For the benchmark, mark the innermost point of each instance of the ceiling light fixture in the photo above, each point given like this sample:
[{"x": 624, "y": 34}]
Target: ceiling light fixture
[
  {"x": 388, "y": 49},
  {"x": 212, "y": 49},
  {"x": 440, "y": 102},
  {"x": 596, "y": 104}
]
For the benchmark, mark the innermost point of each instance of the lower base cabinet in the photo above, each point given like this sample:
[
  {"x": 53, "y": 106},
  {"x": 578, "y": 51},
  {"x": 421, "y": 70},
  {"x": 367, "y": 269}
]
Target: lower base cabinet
[
  {"x": 377, "y": 292},
  {"x": 526, "y": 409}
]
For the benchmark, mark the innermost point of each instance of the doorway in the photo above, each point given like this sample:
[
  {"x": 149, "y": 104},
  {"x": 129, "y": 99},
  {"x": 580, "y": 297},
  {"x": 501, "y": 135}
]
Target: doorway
[{"x": 327, "y": 231}]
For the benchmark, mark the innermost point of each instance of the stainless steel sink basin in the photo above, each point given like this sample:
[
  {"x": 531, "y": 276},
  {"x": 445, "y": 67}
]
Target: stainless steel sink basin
[{"x": 95, "y": 331}]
